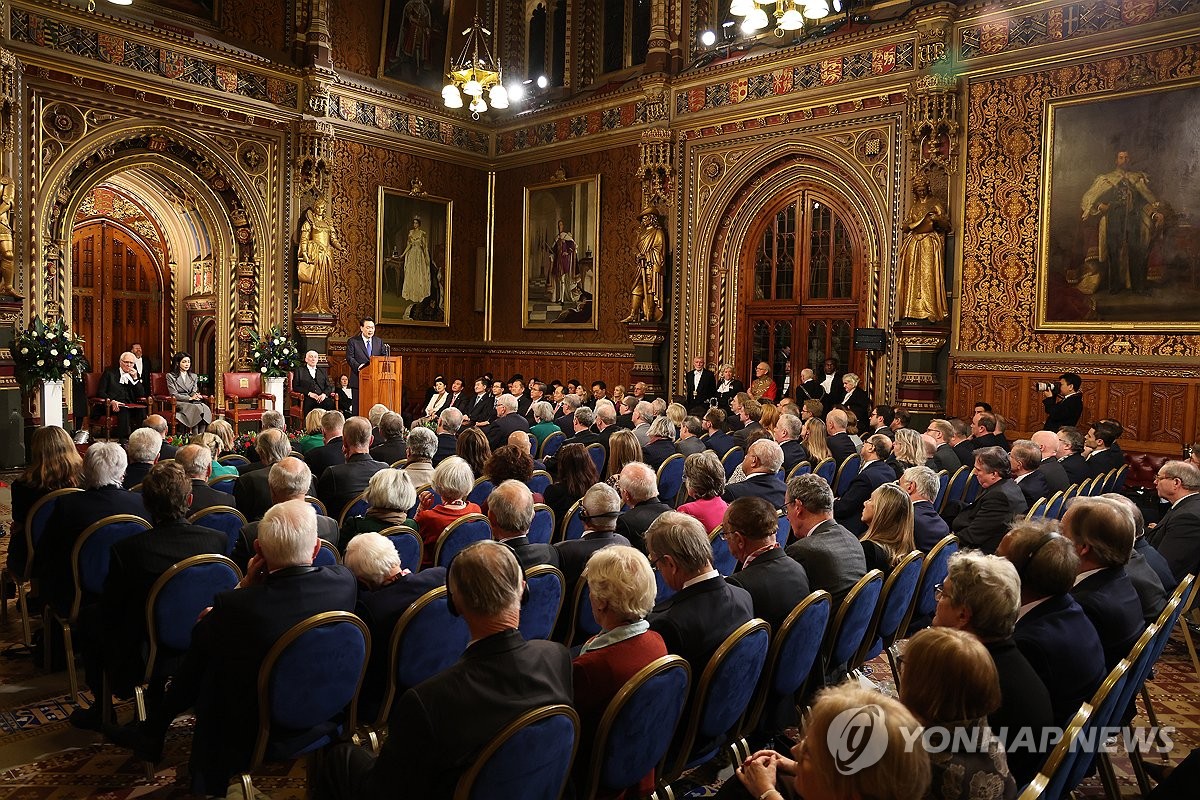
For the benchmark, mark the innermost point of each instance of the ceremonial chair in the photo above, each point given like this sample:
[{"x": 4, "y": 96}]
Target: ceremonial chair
[
  {"x": 35, "y": 526},
  {"x": 107, "y": 418},
  {"x": 226, "y": 519},
  {"x": 163, "y": 403},
  {"x": 243, "y": 397},
  {"x": 852, "y": 624},
  {"x": 408, "y": 545},
  {"x": 465, "y": 530},
  {"x": 541, "y": 530},
  {"x": 530, "y": 759},
  {"x": 539, "y": 613}
]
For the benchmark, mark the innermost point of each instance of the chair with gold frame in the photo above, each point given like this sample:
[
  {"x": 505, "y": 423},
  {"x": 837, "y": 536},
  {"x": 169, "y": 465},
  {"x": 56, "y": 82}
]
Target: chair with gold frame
[
  {"x": 539, "y": 614},
  {"x": 531, "y": 758},
  {"x": 464, "y": 531},
  {"x": 34, "y": 527},
  {"x": 1058, "y": 760}
]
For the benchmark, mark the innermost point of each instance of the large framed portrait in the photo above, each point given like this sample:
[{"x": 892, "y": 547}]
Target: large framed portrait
[
  {"x": 415, "y": 33},
  {"x": 1120, "y": 247},
  {"x": 561, "y": 265},
  {"x": 413, "y": 272}
]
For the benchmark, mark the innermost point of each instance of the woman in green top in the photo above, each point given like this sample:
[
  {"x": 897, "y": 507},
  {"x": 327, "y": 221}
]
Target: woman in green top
[
  {"x": 543, "y": 414},
  {"x": 390, "y": 496},
  {"x": 215, "y": 446},
  {"x": 313, "y": 437}
]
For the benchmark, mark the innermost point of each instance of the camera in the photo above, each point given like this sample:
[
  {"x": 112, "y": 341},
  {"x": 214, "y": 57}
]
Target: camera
[{"x": 1046, "y": 386}]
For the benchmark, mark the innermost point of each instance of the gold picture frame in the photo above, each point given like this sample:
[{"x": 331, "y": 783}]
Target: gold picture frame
[
  {"x": 1119, "y": 244},
  {"x": 413, "y": 229},
  {"x": 560, "y": 263}
]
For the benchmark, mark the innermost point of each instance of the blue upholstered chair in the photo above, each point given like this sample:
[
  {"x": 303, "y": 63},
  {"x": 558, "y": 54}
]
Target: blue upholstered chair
[
  {"x": 550, "y": 445},
  {"x": 732, "y": 460},
  {"x": 481, "y": 491},
  {"x": 233, "y": 460},
  {"x": 355, "y": 508},
  {"x": 539, "y": 482},
  {"x": 784, "y": 531},
  {"x": 541, "y": 530},
  {"x": 308, "y": 689},
  {"x": 1055, "y": 507},
  {"x": 670, "y": 478},
  {"x": 531, "y": 758},
  {"x": 317, "y": 505},
  {"x": 223, "y": 483},
  {"x": 226, "y": 519},
  {"x": 722, "y": 560},
  {"x": 943, "y": 484},
  {"x": 408, "y": 545},
  {"x": 1105, "y": 714},
  {"x": 933, "y": 572},
  {"x": 465, "y": 530},
  {"x": 1039, "y": 508},
  {"x": 803, "y": 468},
  {"x": 1050, "y": 781},
  {"x": 852, "y": 624},
  {"x": 174, "y": 604},
  {"x": 795, "y": 648},
  {"x": 899, "y": 592},
  {"x": 327, "y": 556},
  {"x": 970, "y": 490},
  {"x": 540, "y": 612},
  {"x": 827, "y": 469},
  {"x": 599, "y": 456},
  {"x": 954, "y": 490},
  {"x": 573, "y": 526},
  {"x": 426, "y": 640},
  {"x": 637, "y": 728},
  {"x": 89, "y": 564},
  {"x": 35, "y": 526},
  {"x": 583, "y": 621},
  {"x": 847, "y": 472},
  {"x": 722, "y": 697},
  {"x": 663, "y": 590}
]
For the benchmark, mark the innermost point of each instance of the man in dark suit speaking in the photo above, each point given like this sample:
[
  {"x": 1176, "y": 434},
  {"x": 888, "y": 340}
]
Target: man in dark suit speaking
[
  {"x": 360, "y": 349},
  {"x": 439, "y": 726}
]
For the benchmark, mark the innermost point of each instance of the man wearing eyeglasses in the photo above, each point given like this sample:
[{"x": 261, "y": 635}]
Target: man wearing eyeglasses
[
  {"x": 124, "y": 394},
  {"x": 1177, "y": 535}
]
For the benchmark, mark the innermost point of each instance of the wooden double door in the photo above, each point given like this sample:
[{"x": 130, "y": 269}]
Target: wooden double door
[{"x": 118, "y": 293}]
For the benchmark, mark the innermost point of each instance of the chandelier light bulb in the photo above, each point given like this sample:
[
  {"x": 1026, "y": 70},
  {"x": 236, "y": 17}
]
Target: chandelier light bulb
[
  {"x": 452, "y": 99},
  {"x": 792, "y": 20},
  {"x": 756, "y": 20},
  {"x": 816, "y": 9},
  {"x": 741, "y": 7},
  {"x": 478, "y": 106},
  {"x": 473, "y": 88},
  {"x": 121, "y": 2},
  {"x": 499, "y": 96}
]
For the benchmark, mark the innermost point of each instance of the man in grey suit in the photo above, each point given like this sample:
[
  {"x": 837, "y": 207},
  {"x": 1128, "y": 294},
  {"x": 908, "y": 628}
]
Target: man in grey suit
[
  {"x": 287, "y": 479},
  {"x": 689, "y": 437},
  {"x": 252, "y": 490},
  {"x": 831, "y": 555}
]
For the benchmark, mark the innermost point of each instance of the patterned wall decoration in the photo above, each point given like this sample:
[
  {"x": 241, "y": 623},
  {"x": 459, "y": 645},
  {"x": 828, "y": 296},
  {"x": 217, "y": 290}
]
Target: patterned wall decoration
[
  {"x": 821, "y": 73},
  {"x": 161, "y": 61},
  {"x": 262, "y": 23},
  {"x": 634, "y": 112},
  {"x": 1062, "y": 23},
  {"x": 106, "y": 202},
  {"x": 354, "y": 28},
  {"x": 407, "y": 123},
  {"x": 620, "y": 201},
  {"x": 358, "y": 172},
  {"x": 1001, "y": 215}
]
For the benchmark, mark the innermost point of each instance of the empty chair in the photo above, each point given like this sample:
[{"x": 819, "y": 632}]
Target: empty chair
[
  {"x": 541, "y": 530},
  {"x": 226, "y": 519},
  {"x": 458, "y": 534},
  {"x": 329, "y": 651},
  {"x": 852, "y": 624},
  {"x": 670, "y": 478},
  {"x": 539, "y": 612},
  {"x": 531, "y": 758},
  {"x": 244, "y": 397}
]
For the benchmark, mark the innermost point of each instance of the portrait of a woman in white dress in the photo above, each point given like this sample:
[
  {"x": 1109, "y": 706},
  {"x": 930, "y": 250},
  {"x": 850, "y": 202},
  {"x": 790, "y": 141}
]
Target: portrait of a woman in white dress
[{"x": 416, "y": 264}]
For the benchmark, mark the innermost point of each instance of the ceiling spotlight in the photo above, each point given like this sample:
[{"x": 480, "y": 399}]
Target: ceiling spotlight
[
  {"x": 542, "y": 81},
  {"x": 708, "y": 38}
]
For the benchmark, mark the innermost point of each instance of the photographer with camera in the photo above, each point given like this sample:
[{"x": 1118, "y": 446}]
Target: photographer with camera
[{"x": 1064, "y": 403}]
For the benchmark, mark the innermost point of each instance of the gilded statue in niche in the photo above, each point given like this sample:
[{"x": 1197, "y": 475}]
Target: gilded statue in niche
[
  {"x": 647, "y": 295},
  {"x": 318, "y": 239},
  {"x": 8, "y": 195},
  {"x": 920, "y": 283}
]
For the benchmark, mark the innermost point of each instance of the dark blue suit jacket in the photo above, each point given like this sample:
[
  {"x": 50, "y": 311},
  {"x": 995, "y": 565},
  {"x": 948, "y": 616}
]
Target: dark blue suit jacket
[
  {"x": 694, "y": 621},
  {"x": 1075, "y": 466},
  {"x": 1157, "y": 562},
  {"x": 761, "y": 484},
  {"x": 1062, "y": 646},
  {"x": 841, "y": 447},
  {"x": 1033, "y": 486},
  {"x": 776, "y": 583},
  {"x": 983, "y": 524},
  {"x": 719, "y": 442},
  {"x": 928, "y": 526},
  {"x": 1103, "y": 462},
  {"x": 1112, "y": 604},
  {"x": 848, "y": 508},
  {"x": 1177, "y": 537}
]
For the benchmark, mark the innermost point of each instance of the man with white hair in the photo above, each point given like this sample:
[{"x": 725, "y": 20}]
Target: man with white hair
[
  {"x": 158, "y": 423},
  {"x": 142, "y": 451},
  {"x": 507, "y": 420},
  {"x": 252, "y": 490},
  {"x": 287, "y": 479},
  {"x": 271, "y": 420},
  {"x": 124, "y": 394},
  {"x": 312, "y": 381},
  {"x": 639, "y": 491},
  {"x": 660, "y": 442},
  {"x": 921, "y": 485},
  {"x": 219, "y": 674},
  {"x": 1024, "y": 459},
  {"x": 565, "y": 414},
  {"x": 788, "y": 431},
  {"x": 440, "y": 725},
  {"x": 581, "y": 432},
  {"x": 103, "y": 468},
  {"x": 510, "y": 512},
  {"x": 197, "y": 463},
  {"x": 1050, "y": 467},
  {"x": 761, "y": 465},
  {"x": 448, "y": 425},
  {"x": 340, "y": 484}
]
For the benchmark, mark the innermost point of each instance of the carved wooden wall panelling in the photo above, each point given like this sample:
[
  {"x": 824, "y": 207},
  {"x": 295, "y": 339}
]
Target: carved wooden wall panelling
[
  {"x": 261, "y": 23},
  {"x": 1159, "y": 414},
  {"x": 358, "y": 172},
  {"x": 354, "y": 26},
  {"x": 620, "y": 202}
]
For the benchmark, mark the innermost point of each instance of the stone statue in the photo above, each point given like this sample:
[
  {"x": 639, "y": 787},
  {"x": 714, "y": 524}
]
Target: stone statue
[
  {"x": 651, "y": 258},
  {"x": 8, "y": 195},
  {"x": 317, "y": 241},
  {"x": 921, "y": 283}
]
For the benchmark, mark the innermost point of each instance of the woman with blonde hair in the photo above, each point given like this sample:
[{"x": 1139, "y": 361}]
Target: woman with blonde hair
[
  {"x": 888, "y": 513},
  {"x": 908, "y": 450},
  {"x": 390, "y": 495},
  {"x": 770, "y": 415},
  {"x": 623, "y": 448},
  {"x": 677, "y": 414},
  {"x": 224, "y": 431},
  {"x": 728, "y": 387},
  {"x": 618, "y": 394},
  {"x": 814, "y": 437},
  {"x": 216, "y": 447},
  {"x": 313, "y": 437}
]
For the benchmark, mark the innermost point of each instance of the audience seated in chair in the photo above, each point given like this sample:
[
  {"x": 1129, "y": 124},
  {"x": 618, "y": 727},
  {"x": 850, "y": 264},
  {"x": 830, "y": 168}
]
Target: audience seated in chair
[
  {"x": 158, "y": 424},
  {"x": 831, "y": 556},
  {"x": 271, "y": 420},
  {"x": 339, "y": 484},
  {"x": 888, "y": 514},
  {"x": 142, "y": 451},
  {"x": 448, "y": 426},
  {"x": 921, "y": 484},
  {"x": 197, "y": 465},
  {"x": 113, "y": 633},
  {"x": 1151, "y": 577},
  {"x": 1177, "y": 536},
  {"x": 54, "y": 463},
  {"x": 639, "y": 492},
  {"x": 763, "y": 460},
  {"x": 452, "y": 480},
  {"x": 982, "y": 524},
  {"x": 392, "y": 448},
  {"x": 329, "y": 453},
  {"x": 510, "y": 512},
  {"x": 439, "y": 725},
  {"x": 390, "y": 495},
  {"x": 252, "y": 490},
  {"x": 775, "y": 582},
  {"x": 422, "y": 444},
  {"x": 599, "y": 509},
  {"x": 704, "y": 483},
  {"x": 287, "y": 479},
  {"x": 219, "y": 674}
]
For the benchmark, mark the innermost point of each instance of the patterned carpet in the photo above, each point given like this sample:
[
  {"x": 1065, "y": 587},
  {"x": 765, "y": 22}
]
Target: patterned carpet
[{"x": 43, "y": 758}]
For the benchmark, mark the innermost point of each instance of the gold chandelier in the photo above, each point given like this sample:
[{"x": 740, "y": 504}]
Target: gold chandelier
[
  {"x": 789, "y": 14},
  {"x": 475, "y": 72}
]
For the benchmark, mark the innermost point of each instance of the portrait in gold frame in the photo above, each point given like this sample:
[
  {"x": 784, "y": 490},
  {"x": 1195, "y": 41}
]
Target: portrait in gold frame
[
  {"x": 413, "y": 230},
  {"x": 560, "y": 256}
]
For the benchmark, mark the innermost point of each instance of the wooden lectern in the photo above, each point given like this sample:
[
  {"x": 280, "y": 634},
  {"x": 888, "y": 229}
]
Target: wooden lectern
[{"x": 379, "y": 382}]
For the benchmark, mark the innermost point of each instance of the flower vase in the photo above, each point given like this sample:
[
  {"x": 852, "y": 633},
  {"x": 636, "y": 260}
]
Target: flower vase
[
  {"x": 52, "y": 403},
  {"x": 275, "y": 387}
]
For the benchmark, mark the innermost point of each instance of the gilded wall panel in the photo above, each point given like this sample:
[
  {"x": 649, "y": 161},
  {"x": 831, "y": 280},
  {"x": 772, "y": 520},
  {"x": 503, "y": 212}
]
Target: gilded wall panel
[
  {"x": 1002, "y": 219},
  {"x": 620, "y": 201},
  {"x": 358, "y": 172},
  {"x": 262, "y": 23},
  {"x": 355, "y": 31}
]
